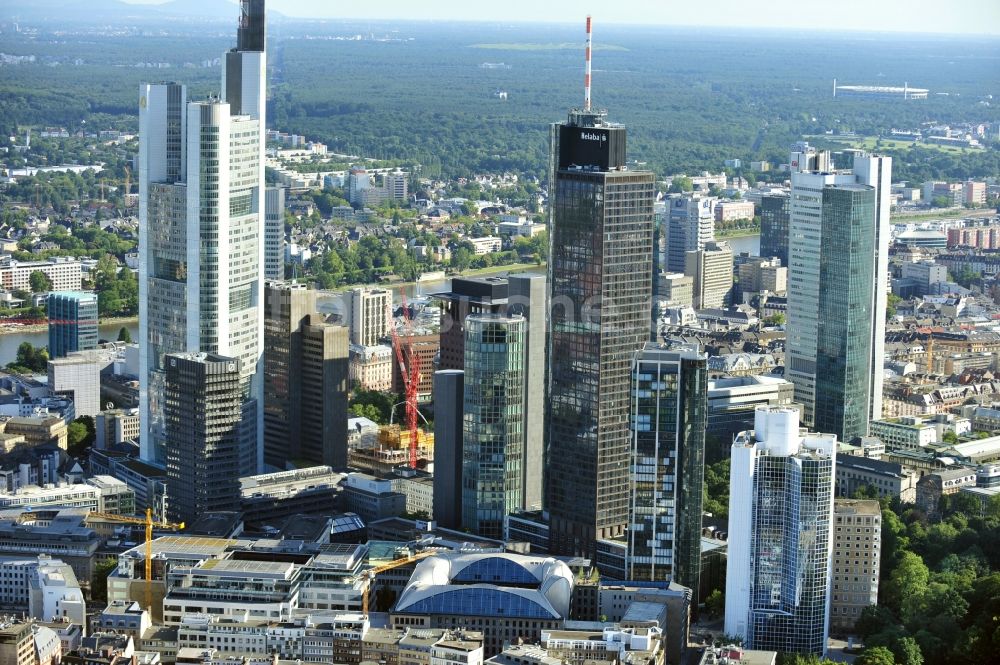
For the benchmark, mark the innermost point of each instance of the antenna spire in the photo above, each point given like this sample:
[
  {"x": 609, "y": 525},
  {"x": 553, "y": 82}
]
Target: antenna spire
[{"x": 586, "y": 75}]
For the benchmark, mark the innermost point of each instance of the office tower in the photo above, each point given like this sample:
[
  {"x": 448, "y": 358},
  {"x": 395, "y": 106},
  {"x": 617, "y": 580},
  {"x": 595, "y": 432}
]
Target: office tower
[
  {"x": 805, "y": 158},
  {"x": 371, "y": 315},
  {"x": 526, "y": 297},
  {"x": 201, "y": 238},
  {"x": 468, "y": 295},
  {"x": 711, "y": 268},
  {"x": 206, "y": 449},
  {"x": 305, "y": 380},
  {"x": 600, "y": 277},
  {"x": 838, "y": 266},
  {"x": 449, "y": 400},
  {"x": 676, "y": 289},
  {"x": 690, "y": 224},
  {"x": 857, "y": 549},
  {"x": 493, "y": 431},
  {"x": 780, "y": 535},
  {"x": 274, "y": 233},
  {"x": 774, "y": 212},
  {"x": 424, "y": 346},
  {"x": 669, "y": 409},
  {"x": 72, "y": 322}
]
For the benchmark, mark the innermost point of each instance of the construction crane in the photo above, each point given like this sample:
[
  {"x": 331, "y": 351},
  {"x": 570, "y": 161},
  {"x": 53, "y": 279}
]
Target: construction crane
[
  {"x": 372, "y": 572},
  {"x": 409, "y": 372},
  {"x": 149, "y": 524}
]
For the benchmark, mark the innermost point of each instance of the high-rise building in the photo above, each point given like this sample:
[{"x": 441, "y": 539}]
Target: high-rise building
[
  {"x": 371, "y": 315},
  {"x": 600, "y": 277},
  {"x": 711, "y": 268},
  {"x": 690, "y": 224},
  {"x": 305, "y": 380},
  {"x": 201, "y": 239},
  {"x": 449, "y": 400},
  {"x": 774, "y": 220},
  {"x": 857, "y": 550},
  {"x": 72, "y": 322},
  {"x": 837, "y": 293},
  {"x": 274, "y": 233},
  {"x": 493, "y": 431},
  {"x": 207, "y": 448},
  {"x": 669, "y": 409},
  {"x": 780, "y": 535},
  {"x": 468, "y": 296},
  {"x": 526, "y": 297}
]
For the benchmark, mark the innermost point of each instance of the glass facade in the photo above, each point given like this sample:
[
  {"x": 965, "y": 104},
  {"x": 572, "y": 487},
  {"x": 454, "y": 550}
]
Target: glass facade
[
  {"x": 72, "y": 322},
  {"x": 668, "y": 456},
  {"x": 790, "y": 553},
  {"x": 493, "y": 422},
  {"x": 843, "y": 349},
  {"x": 600, "y": 272},
  {"x": 774, "y": 222}
]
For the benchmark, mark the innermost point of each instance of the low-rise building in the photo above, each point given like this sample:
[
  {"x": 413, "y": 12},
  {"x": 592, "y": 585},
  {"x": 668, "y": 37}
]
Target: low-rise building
[
  {"x": 371, "y": 366},
  {"x": 855, "y": 472},
  {"x": 269, "y": 498},
  {"x": 942, "y": 483}
]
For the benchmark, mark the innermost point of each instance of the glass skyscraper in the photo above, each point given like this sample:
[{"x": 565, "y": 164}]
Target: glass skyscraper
[
  {"x": 600, "y": 275},
  {"x": 669, "y": 410},
  {"x": 774, "y": 226},
  {"x": 780, "y": 535},
  {"x": 72, "y": 322},
  {"x": 493, "y": 442}
]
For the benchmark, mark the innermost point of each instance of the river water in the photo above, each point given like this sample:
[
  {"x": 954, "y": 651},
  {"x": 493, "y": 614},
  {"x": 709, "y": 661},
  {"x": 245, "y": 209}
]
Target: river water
[{"x": 329, "y": 303}]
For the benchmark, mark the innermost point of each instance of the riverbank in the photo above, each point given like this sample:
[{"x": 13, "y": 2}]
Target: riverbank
[
  {"x": 739, "y": 233},
  {"x": 11, "y": 328},
  {"x": 942, "y": 213}
]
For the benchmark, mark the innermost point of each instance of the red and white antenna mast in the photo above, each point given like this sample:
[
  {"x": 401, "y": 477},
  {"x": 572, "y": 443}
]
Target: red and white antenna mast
[{"x": 586, "y": 75}]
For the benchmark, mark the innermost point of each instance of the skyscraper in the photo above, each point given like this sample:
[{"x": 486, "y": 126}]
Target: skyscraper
[
  {"x": 204, "y": 446},
  {"x": 774, "y": 226},
  {"x": 669, "y": 411},
  {"x": 371, "y": 315},
  {"x": 600, "y": 276},
  {"x": 837, "y": 273},
  {"x": 493, "y": 429},
  {"x": 72, "y": 322},
  {"x": 690, "y": 224},
  {"x": 711, "y": 268},
  {"x": 274, "y": 233},
  {"x": 449, "y": 400},
  {"x": 305, "y": 380},
  {"x": 475, "y": 295},
  {"x": 201, "y": 234},
  {"x": 780, "y": 535}
]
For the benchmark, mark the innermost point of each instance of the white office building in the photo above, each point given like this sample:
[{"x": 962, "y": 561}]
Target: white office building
[
  {"x": 780, "y": 534},
  {"x": 201, "y": 239},
  {"x": 371, "y": 316},
  {"x": 690, "y": 224}
]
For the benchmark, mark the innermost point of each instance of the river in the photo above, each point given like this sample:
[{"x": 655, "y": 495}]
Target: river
[{"x": 329, "y": 303}]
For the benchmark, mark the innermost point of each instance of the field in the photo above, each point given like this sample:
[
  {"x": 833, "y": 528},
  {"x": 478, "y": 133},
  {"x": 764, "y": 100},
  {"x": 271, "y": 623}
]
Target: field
[{"x": 879, "y": 143}]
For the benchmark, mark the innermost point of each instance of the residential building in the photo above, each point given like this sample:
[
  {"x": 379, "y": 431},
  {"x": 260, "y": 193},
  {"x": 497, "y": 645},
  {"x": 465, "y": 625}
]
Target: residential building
[
  {"x": 208, "y": 449},
  {"x": 729, "y": 210},
  {"x": 668, "y": 422},
  {"x": 974, "y": 193},
  {"x": 774, "y": 223},
  {"x": 72, "y": 322},
  {"x": 780, "y": 535},
  {"x": 370, "y": 367},
  {"x": 493, "y": 437},
  {"x": 371, "y": 316},
  {"x": 838, "y": 273},
  {"x": 449, "y": 401},
  {"x": 602, "y": 251},
  {"x": 857, "y": 551},
  {"x": 690, "y": 223},
  {"x": 711, "y": 268},
  {"x": 202, "y": 232},
  {"x": 305, "y": 380},
  {"x": 523, "y": 595},
  {"x": 274, "y": 233}
]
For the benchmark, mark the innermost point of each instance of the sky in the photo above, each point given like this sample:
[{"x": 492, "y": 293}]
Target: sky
[{"x": 939, "y": 16}]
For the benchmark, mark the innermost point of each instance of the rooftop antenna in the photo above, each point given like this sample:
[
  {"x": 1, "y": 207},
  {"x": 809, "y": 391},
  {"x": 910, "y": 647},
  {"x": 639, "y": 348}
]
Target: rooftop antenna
[{"x": 586, "y": 75}]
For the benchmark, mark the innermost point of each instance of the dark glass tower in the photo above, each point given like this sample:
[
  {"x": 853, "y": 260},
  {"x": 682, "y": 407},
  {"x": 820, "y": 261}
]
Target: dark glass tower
[
  {"x": 774, "y": 219},
  {"x": 600, "y": 272},
  {"x": 670, "y": 389},
  {"x": 843, "y": 342}
]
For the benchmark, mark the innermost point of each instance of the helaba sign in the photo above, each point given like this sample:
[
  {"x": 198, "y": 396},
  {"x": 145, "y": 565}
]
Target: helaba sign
[{"x": 593, "y": 136}]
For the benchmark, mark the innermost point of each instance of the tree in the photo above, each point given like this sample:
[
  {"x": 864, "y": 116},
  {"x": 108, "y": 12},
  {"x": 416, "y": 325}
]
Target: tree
[
  {"x": 776, "y": 319},
  {"x": 99, "y": 581},
  {"x": 76, "y": 434},
  {"x": 461, "y": 258},
  {"x": 890, "y": 306},
  {"x": 715, "y": 604},
  {"x": 124, "y": 335},
  {"x": 681, "y": 183},
  {"x": 876, "y": 656},
  {"x": 39, "y": 281},
  {"x": 907, "y": 652},
  {"x": 909, "y": 580},
  {"x": 950, "y": 437}
]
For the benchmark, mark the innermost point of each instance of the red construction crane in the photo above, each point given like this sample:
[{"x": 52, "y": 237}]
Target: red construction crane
[{"x": 409, "y": 372}]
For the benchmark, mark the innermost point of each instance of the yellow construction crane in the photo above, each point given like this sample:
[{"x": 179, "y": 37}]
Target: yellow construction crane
[
  {"x": 372, "y": 572},
  {"x": 149, "y": 524}
]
